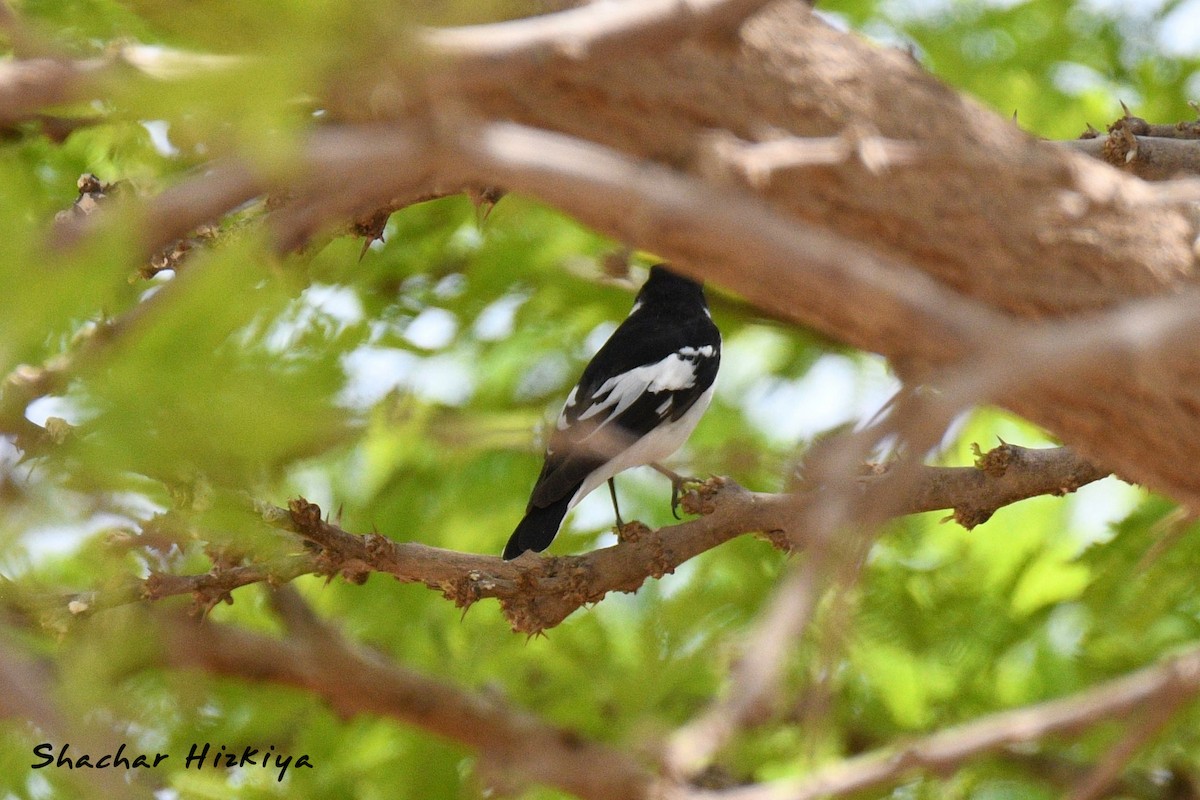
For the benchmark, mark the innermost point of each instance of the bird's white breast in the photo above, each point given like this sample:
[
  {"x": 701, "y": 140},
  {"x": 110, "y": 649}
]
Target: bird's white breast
[{"x": 653, "y": 447}]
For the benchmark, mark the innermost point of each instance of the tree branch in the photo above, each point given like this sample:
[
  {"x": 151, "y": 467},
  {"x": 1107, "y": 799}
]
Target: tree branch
[
  {"x": 1151, "y": 158},
  {"x": 27, "y": 86},
  {"x": 354, "y": 680},
  {"x": 1171, "y": 682},
  {"x": 1004, "y": 475},
  {"x": 795, "y": 270},
  {"x": 1152, "y": 152},
  {"x": 499, "y": 53},
  {"x": 536, "y": 593}
]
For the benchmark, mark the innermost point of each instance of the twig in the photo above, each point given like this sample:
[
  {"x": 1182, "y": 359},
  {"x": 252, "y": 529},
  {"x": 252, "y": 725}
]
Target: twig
[
  {"x": 173, "y": 213},
  {"x": 1176, "y": 677},
  {"x": 1004, "y": 475},
  {"x": 836, "y": 508}
]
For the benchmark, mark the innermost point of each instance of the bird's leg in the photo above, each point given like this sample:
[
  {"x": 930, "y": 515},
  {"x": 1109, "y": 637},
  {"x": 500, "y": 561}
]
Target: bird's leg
[
  {"x": 612, "y": 490},
  {"x": 677, "y": 482}
]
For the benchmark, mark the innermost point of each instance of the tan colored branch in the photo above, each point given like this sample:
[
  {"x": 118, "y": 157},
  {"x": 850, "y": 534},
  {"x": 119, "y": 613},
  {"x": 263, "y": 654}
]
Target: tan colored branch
[
  {"x": 1139, "y": 731},
  {"x": 798, "y": 271},
  {"x": 499, "y": 53},
  {"x": 536, "y": 593},
  {"x": 1004, "y": 475},
  {"x": 1171, "y": 682},
  {"x": 31, "y": 85},
  {"x": 757, "y": 675},
  {"x": 512, "y": 742},
  {"x": 1151, "y": 158}
]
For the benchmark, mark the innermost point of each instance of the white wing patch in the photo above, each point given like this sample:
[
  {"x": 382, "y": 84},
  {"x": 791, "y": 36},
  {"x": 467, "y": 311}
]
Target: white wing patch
[
  {"x": 562, "y": 417},
  {"x": 673, "y": 373}
]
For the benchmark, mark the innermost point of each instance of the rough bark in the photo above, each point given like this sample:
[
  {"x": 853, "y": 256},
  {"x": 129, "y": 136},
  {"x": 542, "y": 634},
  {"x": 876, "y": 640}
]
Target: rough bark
[{"x": 1025, "y": 227}]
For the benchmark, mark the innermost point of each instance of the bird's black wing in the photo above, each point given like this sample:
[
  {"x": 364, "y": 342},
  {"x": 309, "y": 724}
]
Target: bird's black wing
[{"x": 651, "y": 371}]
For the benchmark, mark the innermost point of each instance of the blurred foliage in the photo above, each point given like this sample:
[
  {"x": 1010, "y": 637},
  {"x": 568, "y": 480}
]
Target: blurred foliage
[{"x": 407, "y": 392}]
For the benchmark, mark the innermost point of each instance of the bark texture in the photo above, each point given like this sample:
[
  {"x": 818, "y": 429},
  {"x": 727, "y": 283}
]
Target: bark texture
[{"x": 1024, "y": 227}]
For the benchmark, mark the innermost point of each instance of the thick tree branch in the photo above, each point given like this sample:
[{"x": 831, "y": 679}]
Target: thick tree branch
[
  {"x": 1171, "y": 683},
  {"x": 499, "y": 53},
  {"x": 354, "y": 680},
  {"x": 797, "y": 271}
]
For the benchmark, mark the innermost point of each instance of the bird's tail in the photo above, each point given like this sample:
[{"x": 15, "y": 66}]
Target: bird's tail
[{"x": 539, "y": 527}]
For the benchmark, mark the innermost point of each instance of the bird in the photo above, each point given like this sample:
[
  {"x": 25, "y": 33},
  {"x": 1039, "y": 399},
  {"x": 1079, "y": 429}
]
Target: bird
[{"x": 637, "y": 402}]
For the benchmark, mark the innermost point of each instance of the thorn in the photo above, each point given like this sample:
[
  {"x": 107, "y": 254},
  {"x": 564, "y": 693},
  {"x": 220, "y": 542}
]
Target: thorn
[
  {"x": 484, "y": 200},
  {"x": 1014, "y": 116},
  {"x": 1090, "y": 133},
  {"x": 1125, "y": 108}
]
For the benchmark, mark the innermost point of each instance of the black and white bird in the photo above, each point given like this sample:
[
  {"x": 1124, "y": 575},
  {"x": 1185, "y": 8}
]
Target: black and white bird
[{"x": 638, "y": 401}]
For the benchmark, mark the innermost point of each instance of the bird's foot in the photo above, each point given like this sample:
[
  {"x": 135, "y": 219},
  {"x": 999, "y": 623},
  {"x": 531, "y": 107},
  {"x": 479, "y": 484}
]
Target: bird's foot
[
  {"x": 690, "y": 499},
  {"x": 677, "y": 483}
]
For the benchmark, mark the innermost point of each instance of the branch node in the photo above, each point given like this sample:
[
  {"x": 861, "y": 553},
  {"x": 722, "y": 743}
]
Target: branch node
[
  {"x": 701, "y": 501},
  {"x": 995, "y": 462}
]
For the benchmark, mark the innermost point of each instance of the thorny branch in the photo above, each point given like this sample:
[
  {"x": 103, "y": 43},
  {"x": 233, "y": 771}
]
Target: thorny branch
[
  {"x": 1152, "y": 152},
  {"x": 536, "y": 593}
]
